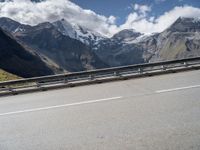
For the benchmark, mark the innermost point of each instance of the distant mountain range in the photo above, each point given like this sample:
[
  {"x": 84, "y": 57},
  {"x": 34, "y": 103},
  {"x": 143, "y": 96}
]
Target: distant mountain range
[{"x": 65, "y": 47}]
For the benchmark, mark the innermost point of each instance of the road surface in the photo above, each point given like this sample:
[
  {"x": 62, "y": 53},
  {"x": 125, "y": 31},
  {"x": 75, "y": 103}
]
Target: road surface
[{"x": 155, "y": 113}]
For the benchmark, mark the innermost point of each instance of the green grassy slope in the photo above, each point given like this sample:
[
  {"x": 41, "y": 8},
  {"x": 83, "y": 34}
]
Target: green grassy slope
[{"x": 5, "y": 76}]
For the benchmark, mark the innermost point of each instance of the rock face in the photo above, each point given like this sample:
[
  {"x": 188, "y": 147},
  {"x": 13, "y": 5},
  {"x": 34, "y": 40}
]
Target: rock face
[
  {"x": 15, "y": 59},
  {"x": 117, "y": 51}
]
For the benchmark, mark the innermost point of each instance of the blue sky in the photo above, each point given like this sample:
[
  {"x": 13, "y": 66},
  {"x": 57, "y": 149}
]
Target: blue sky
[
  {"x": 121, "y": 8},
  {"x": 106, "y": 17}
]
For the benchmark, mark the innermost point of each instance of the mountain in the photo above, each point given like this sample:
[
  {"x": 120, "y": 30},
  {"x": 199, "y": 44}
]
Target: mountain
[
  {"x": 116, "y": 51},
  {"x": 185, "y": 25},
  {"x": 78, "y": 32},
  {"x": 126, "y": 35},
  {"x": 69, "y": 47},
  {"x": 15, "y": 59},
  {"x": 46, "y": 40},
  {"x": 74, "y": 31},
  {"x": 12, "y": 26},
  {"x": 70, "y": 54},
  {"x": 180, "y": 40}
]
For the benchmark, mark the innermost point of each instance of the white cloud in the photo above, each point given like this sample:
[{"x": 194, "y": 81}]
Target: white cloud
[
  {"x": 32, "y": 13},
  {"x": 151, "y": 24},
  {"x": 28, "y": 12},
  {"x": 142, "y": 9}
]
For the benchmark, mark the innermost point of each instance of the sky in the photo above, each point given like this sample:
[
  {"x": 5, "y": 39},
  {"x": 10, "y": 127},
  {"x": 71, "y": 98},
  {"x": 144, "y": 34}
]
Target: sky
[
  {"x": 104, "y": 16},
  {"x": 121, "y": 8}
]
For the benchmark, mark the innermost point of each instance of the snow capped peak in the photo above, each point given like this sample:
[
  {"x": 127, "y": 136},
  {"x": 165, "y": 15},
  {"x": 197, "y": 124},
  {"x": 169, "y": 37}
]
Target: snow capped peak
[
  {"x": 140, "y": 38},
  {"x": 19, "y": 29},
  {"x": 78, "y": 32},
  {"x": 126, "y": 35},
  {"x": 183, "y": 24},
  {"x": 65, "y": 27}
]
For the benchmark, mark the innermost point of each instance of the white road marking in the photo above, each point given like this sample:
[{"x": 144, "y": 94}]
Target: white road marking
[
  {"x": 178, "y": 89},
  {"x": 89, "y": 102},
  {"x": 59, "y": 106}
]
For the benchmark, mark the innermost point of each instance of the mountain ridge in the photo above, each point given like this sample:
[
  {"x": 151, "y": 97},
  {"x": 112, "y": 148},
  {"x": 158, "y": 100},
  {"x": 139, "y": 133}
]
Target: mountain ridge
[
  {"x": 45, "y": 39},
  {"x": 60, "y": 44}
]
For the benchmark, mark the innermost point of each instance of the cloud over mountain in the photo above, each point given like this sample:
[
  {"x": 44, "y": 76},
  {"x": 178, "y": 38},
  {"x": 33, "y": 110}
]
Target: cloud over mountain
[
  {"x": 144, "y": 23},
  {"x": 28, "y": 12}
]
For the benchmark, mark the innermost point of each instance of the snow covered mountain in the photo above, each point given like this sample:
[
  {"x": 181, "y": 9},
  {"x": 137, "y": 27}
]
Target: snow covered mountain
[
  {"x": 80, "y": 33},
  {"x": 74, "y": 31}
]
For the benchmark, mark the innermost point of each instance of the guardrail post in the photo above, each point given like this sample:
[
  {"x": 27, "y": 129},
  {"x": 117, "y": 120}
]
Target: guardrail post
[
  {"x": 140, "y": 70},
  {"x": 65, "y": 80},
  {"x": 185, "y": 64},
  {"x": 91, "y": 77},
  {"x": 38, "y": 84},
  {"x": 10, "y": 89},
  {"x": 163, "y": 67},
  {"x": 116, "y": 73}
]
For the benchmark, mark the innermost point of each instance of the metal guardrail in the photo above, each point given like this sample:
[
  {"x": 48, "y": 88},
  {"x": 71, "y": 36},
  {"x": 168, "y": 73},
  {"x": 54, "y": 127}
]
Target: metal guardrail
[{"x": 41, "y": 83}]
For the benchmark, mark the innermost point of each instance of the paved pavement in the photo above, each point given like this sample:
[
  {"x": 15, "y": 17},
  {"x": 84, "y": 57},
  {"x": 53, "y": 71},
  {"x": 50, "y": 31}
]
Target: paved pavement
[{"x": 155, "y": 113}]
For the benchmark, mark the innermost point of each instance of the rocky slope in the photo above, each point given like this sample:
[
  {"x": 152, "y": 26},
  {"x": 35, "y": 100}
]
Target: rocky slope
[
  {"x": 116, "y": 51},
  {"x": 180, "y": 40}
]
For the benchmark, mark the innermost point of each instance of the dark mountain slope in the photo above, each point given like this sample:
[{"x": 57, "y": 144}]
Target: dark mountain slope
[
  {"x": 116, "y": 51},
  {"x": 17, "y": 60},
  {"x": 12, "y": 26}
]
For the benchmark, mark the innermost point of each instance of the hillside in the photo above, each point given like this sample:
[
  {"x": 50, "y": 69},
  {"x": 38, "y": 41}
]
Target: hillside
[{"x": 5, "y": 76}]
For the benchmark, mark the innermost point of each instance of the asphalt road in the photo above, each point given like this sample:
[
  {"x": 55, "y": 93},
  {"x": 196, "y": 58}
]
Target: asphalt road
[{"x": 155, "y": 113}]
